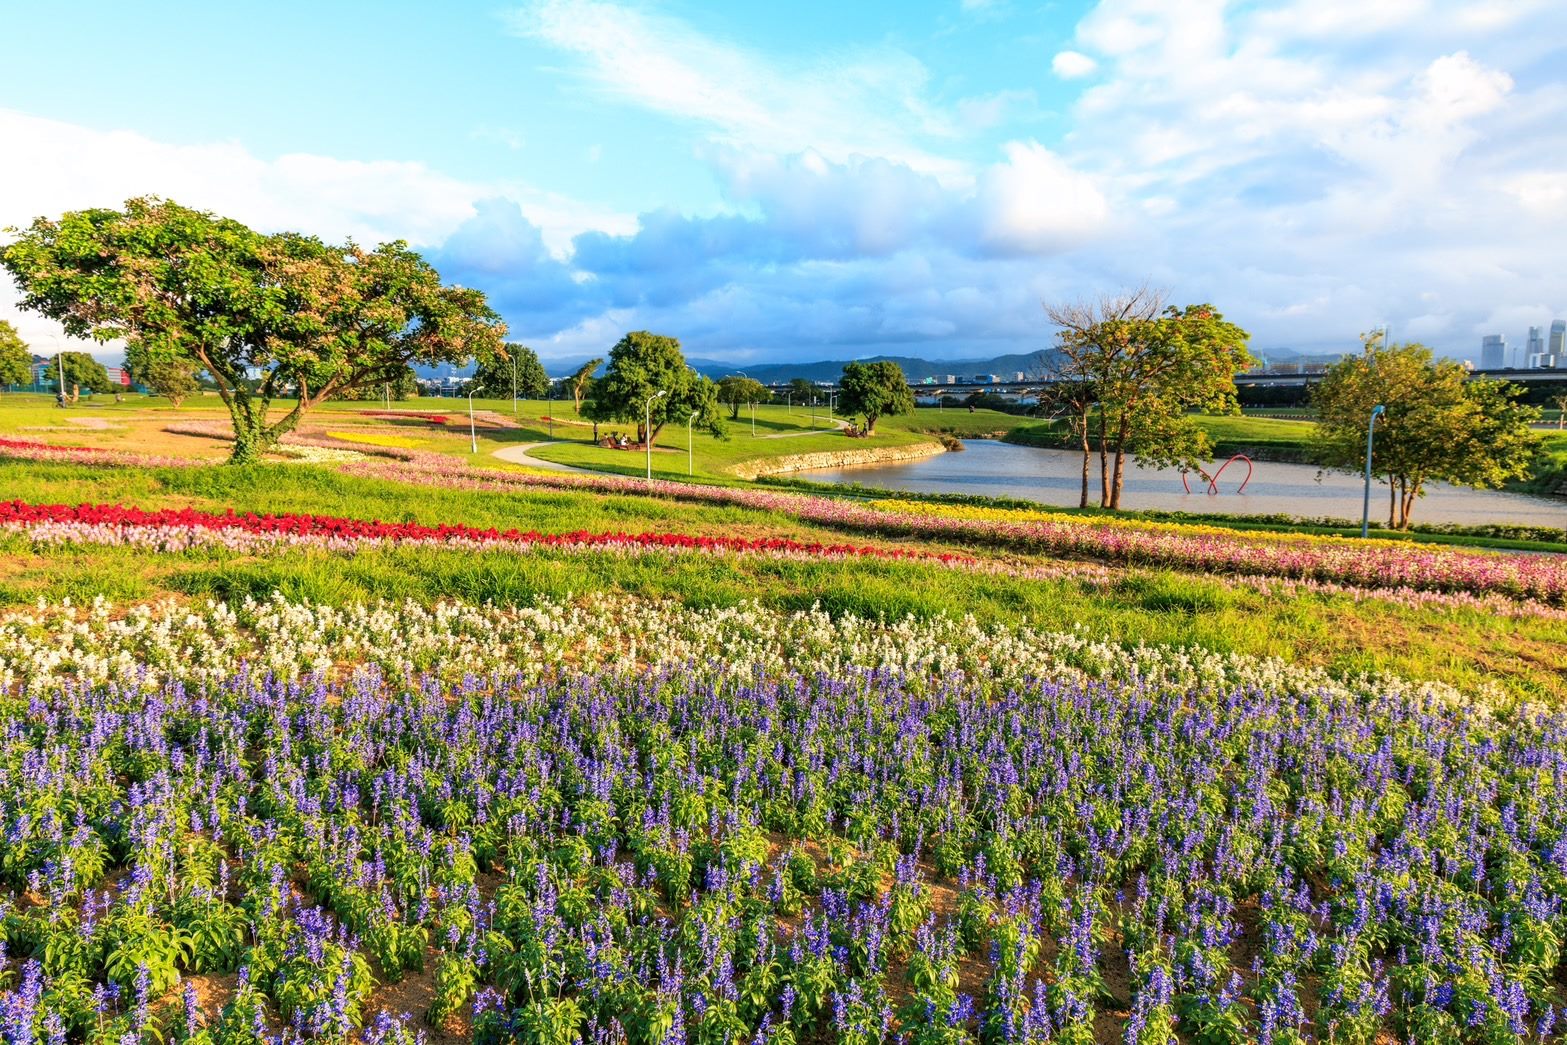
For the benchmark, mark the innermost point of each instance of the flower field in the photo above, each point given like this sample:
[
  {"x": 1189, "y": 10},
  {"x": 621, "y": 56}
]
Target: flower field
[
  {"x": 704, "y": 814},
  {"x": 644, "y": 822}
]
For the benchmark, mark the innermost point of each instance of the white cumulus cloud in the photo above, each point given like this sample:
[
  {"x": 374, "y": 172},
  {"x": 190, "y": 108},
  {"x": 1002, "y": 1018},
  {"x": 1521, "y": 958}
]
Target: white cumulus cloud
[{"x": 1073, "y": 65}]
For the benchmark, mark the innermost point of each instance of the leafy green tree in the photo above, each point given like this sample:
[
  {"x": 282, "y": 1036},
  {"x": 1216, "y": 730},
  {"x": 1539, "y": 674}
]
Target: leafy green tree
[
  {"x": 874, "y": 390},
  {"x": 642, "y": 364},
  {"x": 580, "y": 381},
  {"x": 736, "y": 391},
  {"x": 16, "y": 359},
  {"x": 170, "y": 376},
  {"x": 266, "y": 317},
  {"x": 801, "y": 390},
  {"x": 1438, "y": 423},
  {"x": 1139, "y": 370},
  {"x": 83, "y": 373},
  {"x": 492, "y": 378}
]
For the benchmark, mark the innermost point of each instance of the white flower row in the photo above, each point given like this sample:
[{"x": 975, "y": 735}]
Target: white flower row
[{"x": 150, "y": 644}]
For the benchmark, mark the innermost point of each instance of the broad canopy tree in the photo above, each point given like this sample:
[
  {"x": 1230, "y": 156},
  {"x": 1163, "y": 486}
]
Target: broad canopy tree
[
  {"x": 1438, "y": 423},
  {"x": 1133, "y": 371},
  {"x": 266, "y": 316},
  {"x": 83, "y": 373},
  {"x": 494, "y": 376},
  {"x": 171, "y": 376},
  {"x": 16, "y": 359},
  {"x": 874, "y": 390},
  {"x": 735, "y": 391},
  {"x": 641, "y": 365}
]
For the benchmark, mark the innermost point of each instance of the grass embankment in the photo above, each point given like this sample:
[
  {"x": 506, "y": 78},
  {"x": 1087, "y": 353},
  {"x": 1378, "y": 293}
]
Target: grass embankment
[
  {"x": 1463, "y": 646},
  {"x": 1265, "y": 438}
]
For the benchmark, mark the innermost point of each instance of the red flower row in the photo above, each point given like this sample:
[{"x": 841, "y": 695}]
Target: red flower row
[
  {"x": 330, "y": 527},
  {"x": 434, "y": 419},
  {"x": 23, "y": 444}
]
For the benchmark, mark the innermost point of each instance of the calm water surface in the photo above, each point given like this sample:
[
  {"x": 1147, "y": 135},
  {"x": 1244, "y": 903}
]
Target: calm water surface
[{"x": 999, "y": 469}]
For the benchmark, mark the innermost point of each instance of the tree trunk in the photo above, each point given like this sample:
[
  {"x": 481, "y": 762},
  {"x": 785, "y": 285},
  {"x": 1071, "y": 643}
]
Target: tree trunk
[
  {"x": 1410, "y": 495},
  {"x": 1104, "y": 463},
  {"x": 251, "y": 441},
  {"x": 734, "y": 411},
  {"x": 870, "y": 424},
  {"x": 1121, "y": 435},
  {"x": 1392, "y": 503},
  {"x": 1087, "y": 455}
]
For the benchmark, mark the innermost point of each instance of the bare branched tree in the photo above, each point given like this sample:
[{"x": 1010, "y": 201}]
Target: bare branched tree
[{"x": 1089, "y": 350}]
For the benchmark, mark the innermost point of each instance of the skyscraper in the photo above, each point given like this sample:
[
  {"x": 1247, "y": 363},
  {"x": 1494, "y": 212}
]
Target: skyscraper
[
  {"x": 1535, "y": 346},
  {"x": 1493, "y": 352},
  {"x": 1552, "y": 354}
]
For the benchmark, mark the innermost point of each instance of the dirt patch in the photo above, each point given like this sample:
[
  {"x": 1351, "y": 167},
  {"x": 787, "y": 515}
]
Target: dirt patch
[{"x": 412, "y": 996}]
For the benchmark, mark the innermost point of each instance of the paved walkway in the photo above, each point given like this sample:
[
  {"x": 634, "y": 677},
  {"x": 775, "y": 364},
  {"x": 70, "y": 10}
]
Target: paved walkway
[{"x": 519, "y": 455}]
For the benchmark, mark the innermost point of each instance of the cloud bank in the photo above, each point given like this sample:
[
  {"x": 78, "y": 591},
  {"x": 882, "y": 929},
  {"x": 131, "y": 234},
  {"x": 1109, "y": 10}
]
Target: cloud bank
[{"x": 1313, "y": 168}]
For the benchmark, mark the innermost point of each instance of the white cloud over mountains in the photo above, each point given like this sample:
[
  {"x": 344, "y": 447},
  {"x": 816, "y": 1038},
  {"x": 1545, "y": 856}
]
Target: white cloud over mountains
[{"x": 1313, "y": 168}]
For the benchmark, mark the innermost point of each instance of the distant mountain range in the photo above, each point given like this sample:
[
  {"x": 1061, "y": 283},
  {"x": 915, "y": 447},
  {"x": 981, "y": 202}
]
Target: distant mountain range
[
  {"x": 917, "y": 370},
  {"x": 1004, "y": 366}
]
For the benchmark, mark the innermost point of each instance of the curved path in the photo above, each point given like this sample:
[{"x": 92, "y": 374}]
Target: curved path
[{"x": 519, "y": 455}]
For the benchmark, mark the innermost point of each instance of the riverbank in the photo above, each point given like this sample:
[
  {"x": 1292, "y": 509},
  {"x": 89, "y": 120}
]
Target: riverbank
[
  {"x": 1288, "y": 441},
  {"x": 865, "y": 455}
]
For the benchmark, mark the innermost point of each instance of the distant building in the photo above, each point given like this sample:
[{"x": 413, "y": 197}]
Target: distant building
[
  {"x": 1534, "y": 346},
  {"x": 952, "y": 379},
  {"x": 1493, "y": 352},
  {"x": 1558, "y": 343}
]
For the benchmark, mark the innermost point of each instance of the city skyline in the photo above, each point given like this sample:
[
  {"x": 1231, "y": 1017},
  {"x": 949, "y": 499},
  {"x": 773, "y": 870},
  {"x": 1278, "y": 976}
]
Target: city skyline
[{"x": 888, "y": 179}]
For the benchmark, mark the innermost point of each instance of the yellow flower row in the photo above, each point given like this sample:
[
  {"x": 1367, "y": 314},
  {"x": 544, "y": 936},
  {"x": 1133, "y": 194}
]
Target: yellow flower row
[
  {"x": 372, "y": 439},
  {"x": 1028, "y": 515}
]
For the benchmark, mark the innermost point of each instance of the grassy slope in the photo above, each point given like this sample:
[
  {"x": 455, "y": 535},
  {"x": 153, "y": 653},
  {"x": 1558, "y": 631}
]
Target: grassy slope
[
  {"x": 139, "y": 424},
  {"x": 1460, "y": 646},
  {"x": 1277, "y": 438}
]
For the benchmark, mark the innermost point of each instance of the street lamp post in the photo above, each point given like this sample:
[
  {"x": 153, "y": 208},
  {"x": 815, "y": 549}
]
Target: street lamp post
[
  {"x": 550, "y": 408},
  {"x": 753, "y": 417},
  {"x": 473, "y": 436},
  {"x": 1365, "y": 507},
  {"x": 647, "y": 429},
  {"x": 690, "y": 454},
  {"x": 514, "y": 386}
]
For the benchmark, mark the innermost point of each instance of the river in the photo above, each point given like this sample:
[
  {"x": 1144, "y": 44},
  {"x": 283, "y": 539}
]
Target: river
[{"x": 998, "y": 469}]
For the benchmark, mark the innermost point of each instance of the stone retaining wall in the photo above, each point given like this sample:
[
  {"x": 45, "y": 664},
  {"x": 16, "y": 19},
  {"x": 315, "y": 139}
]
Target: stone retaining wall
[{"x": 835, "y": 459}]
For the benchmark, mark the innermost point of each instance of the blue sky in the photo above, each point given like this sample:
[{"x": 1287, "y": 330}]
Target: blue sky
[{"x": 834, "y": 180}]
